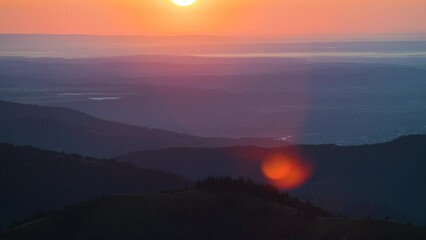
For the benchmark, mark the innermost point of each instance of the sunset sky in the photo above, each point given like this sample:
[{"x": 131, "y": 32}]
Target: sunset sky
[{"x": 214, "y": 17}]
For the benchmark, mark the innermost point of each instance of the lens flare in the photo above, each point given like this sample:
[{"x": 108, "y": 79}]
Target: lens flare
[
  {"x": 277, "y": 167},
  {"x": 286, "y": 172}
]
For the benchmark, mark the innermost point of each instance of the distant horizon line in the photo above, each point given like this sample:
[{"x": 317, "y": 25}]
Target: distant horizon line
[{"x": 401, "y": 36}]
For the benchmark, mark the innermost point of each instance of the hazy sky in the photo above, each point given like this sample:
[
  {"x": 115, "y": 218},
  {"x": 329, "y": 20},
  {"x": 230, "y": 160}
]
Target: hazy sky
[{"x": 214, "y": 17}]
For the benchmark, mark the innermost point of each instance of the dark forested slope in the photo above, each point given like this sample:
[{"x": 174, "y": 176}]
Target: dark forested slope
[
  {"x": 201, "y": 214},
  {"x": 33, "y": 179}
]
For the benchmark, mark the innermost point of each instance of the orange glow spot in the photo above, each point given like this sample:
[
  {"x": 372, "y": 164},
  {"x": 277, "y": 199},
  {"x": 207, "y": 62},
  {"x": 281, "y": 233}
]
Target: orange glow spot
[
  {"x": 277, "y": 168},
  {"x": 286, "y": 172}
]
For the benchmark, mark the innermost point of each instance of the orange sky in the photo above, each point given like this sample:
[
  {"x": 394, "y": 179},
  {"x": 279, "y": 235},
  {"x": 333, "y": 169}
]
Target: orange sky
[{"x": 214, "y": 17}]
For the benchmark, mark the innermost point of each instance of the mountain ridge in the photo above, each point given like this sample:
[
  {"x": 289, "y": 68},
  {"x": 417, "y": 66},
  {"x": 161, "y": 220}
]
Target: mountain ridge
[
  {"x": 72, "y": 131},
  {"x": 385, "y": 175}
]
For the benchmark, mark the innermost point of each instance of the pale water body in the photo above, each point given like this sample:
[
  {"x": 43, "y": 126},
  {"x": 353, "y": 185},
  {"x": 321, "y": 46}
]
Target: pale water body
[
  {"x": 104, "y": 98},
  {"x": 64, "y": 46},
  {"x": 318, "y": 54}
]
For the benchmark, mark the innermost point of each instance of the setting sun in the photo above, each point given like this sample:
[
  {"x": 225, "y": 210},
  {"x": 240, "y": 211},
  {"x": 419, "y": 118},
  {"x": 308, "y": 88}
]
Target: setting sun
[{"x": 183, "y": 3}]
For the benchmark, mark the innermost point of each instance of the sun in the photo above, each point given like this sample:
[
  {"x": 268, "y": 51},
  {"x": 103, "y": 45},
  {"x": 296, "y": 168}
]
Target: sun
[{"x": 184, "y": 3}]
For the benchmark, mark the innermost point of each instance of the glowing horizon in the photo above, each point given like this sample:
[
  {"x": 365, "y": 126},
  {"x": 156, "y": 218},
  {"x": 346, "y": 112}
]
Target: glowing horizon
[{"x": 218, "y": 17}]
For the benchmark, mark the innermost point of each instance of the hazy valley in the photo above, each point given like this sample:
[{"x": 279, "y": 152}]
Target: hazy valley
[
  {"x": 202, "y": 137},
  {"x": 291, "y": 99}
]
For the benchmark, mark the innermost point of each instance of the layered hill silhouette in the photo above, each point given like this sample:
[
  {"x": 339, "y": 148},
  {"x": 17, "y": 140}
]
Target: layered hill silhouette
[
  {"x": 381, "y": 179},
  {"x": 203, "y": 213},
  {"x": 33, "y": 179},
  {"x": 72, "y": 131}
]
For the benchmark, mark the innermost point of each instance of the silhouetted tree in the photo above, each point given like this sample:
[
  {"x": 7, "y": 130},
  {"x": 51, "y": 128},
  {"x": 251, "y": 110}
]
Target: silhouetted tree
[{"x": 37, "y": 215}]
